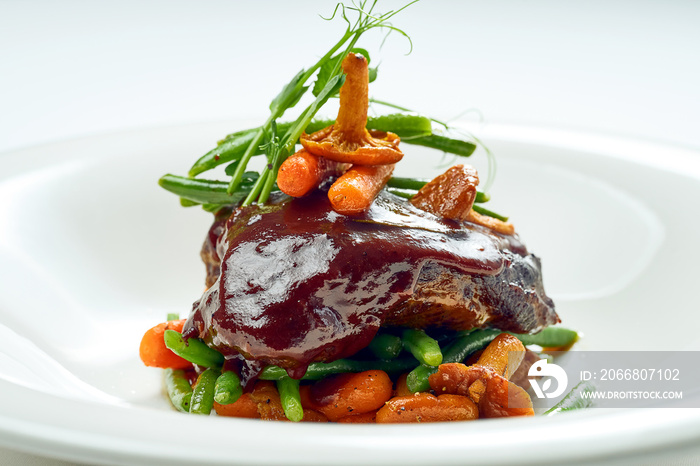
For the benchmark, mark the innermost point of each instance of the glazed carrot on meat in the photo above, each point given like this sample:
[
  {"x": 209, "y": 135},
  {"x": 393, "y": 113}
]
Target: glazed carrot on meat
[
  {"x": 303, "y": 172},
  {"x": 424, "y": 407},
  {"x": 347, "y": 394},
  {"x": 153, "y": 351},
  {"x": 354, "y": 192}
]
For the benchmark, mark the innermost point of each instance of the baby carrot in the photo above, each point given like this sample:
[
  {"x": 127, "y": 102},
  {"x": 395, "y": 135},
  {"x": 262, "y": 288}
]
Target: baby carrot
[
  {"x": 401, "y": 388},
  {"x": 266, "y": 396},
  {"x": 354, "y": 192},
  {"x": 424, "y": 407},
  {"x": 313, "y": 416},
  {"x": 347, "y": 394},
  {"x": 364, "y": 418},
  {"x": 242, "y": 407},
  {"x": 303, "y": 172},
  {"x": 153, "y": 351}
]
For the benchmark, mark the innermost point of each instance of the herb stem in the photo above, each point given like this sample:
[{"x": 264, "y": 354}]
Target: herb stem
[
  {"x": 243, "y": 163},
  {"x": 277, "y": 111},
  {"x": 294, "y": 90},
  {"x": 403, "y": 109}
]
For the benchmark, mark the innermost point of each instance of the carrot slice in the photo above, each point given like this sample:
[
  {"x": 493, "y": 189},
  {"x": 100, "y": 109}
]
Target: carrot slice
[
  {"x": 313, "y": 416},
  {"x": 153, "y": 351},
  {"x": 401, "y": 388},
  {"x": 242, "y": 407},
  {"x": 364, "y": 418},
  {"x": 424, "y": 407},
  {"x": 267, "y": 397},
  {"x": 354, "y": 192},
  {"x": 303, "y": 172},
  {"x": 349, "y": 394}
]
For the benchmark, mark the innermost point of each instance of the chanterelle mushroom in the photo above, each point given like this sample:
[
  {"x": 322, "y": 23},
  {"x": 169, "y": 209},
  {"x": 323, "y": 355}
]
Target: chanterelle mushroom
[{"x": 348, "y": 140}]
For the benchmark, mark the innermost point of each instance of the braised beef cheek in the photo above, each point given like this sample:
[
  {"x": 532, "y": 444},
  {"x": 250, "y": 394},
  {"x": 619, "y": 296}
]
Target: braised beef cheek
[{"x": 300, "y": 283}]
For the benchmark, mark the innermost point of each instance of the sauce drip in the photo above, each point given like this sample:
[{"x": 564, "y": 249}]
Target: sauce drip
[{"x": 300, "y": 283}]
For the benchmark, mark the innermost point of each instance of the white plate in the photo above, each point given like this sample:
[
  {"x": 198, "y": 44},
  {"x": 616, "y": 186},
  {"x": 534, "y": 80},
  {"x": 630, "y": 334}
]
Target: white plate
[{"x": 92, "y": 253}]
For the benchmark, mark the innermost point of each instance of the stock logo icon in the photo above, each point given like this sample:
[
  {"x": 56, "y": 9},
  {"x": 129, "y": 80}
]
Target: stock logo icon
[{"x": 547, "y": 372}]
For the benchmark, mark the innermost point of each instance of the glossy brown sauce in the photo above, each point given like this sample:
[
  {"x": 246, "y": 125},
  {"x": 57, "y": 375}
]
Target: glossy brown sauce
[{"x": 300, "y": 283}]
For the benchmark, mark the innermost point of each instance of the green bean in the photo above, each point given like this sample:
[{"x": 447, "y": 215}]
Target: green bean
[
  {"x": 577, "y": 398},
  {"x": 187, "y": 203},
  {"x": 446, "y": 144},
  {"x": 202, "y": 191},
  {"x": 233, "y": 146},
  {"x": 489, "y": 213},
  {"x": 179, "y": 389},
  {"x": 405, "y": 193},
  {"x": 289, "y": 396},
  {"x": 469, "y": 343},
  {"x": 482, "y": 197},
  {"x": 203, "y": 394},
  {"x": 228, "y": 388},
  {"x": 406, "y": 125},
  {"x": 417, "y": 379},
  {"x": 414, "y": 129},
  {"x": 193, "y": 350},
  {"x": 212, "y": 208},
  {"x": 457, "y": 351},
  {"x": 406, "y": 183},
  {"x": 230, "y": 148},
  {"x": 386, "y": 346},
  {"x": 319, "y": 370},
  {"x": 315, "y": 371},
  {"x": 551, "y": 337},
  {"x": 472, "y": 341},
  {"x": 424, "y": 349},
  {"x": 466, "y": 344},
  {"x": 405, "y": 186}
]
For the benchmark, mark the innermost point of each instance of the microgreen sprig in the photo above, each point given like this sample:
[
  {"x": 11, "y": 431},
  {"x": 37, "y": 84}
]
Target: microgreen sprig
[
  {"x": 277, "y": 140},
  {"x": 293, "y": 91},
  {"x": 491, "y": 160}
]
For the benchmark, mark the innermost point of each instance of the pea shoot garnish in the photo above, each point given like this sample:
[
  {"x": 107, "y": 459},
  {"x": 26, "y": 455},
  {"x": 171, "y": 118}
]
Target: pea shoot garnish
[{"x": 277, "y": 140}]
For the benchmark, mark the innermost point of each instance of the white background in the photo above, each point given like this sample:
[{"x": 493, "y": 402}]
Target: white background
[{"x": 73, "y": 68}]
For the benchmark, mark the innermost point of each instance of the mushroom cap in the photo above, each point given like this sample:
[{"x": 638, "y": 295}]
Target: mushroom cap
[
  {"x": 372, "y": 148},
  {"x": 498, "y": 398}
]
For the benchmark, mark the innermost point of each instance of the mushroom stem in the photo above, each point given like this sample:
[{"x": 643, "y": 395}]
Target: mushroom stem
[{"x": 354, "y": 100}]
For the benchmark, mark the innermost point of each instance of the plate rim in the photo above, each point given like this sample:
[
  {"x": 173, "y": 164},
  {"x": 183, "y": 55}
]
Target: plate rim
[{"x": 72, "y": 443}]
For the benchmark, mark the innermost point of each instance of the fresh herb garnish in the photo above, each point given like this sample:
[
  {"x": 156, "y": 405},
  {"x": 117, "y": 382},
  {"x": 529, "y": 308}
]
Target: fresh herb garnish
[
  {"x": 277, "y": 140},
  {"x": 328, "y": 84}
]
